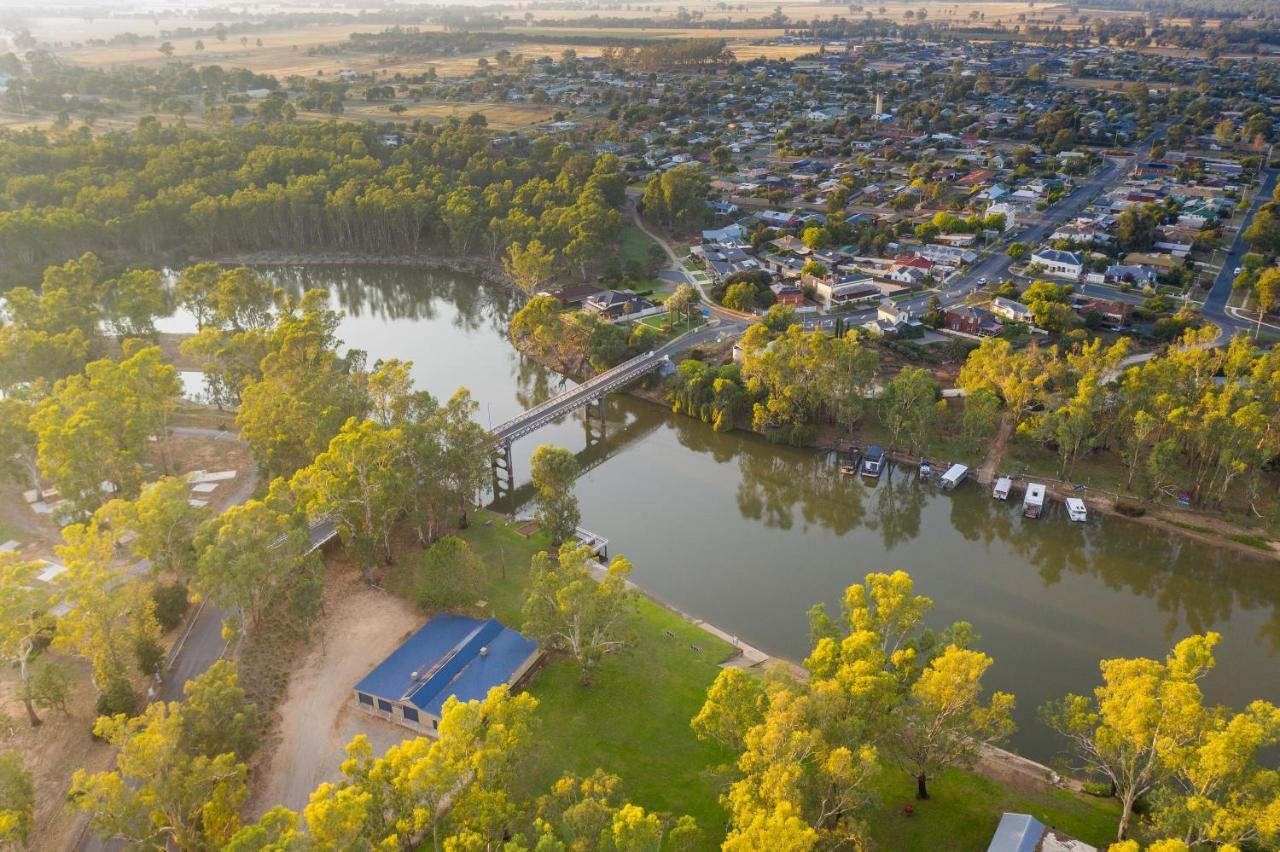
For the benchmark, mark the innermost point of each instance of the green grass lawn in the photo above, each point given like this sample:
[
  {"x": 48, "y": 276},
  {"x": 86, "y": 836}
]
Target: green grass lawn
[
  {"x": 937, "y": 447},
  {"x": 633, "y": 721},
  {"x": 964, "y": 809},
  {"x": 661, "y": 322},
  {"x": 634, "y": 245}
]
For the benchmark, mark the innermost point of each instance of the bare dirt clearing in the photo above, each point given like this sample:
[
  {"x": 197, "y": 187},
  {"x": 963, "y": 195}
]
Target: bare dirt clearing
[
  {"x": 314, "y": 723},
  {"x": 53, "y": 751}
]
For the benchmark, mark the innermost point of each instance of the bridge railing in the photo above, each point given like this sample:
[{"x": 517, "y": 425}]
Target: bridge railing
[
  {"x": 602, "y": 383},
  {"x": 586, "y": 388}
]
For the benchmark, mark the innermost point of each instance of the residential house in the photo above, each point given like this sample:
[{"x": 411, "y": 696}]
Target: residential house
[
  {"x": 1112, "y": 312},
  {"x": 909, "y": 276},
  {"x": 790, "y": 243},
  {"x": 1060, "y": 264},
  {"x": 783, "y": 265},
  {"x": 1009, "y": 309},
  {"x": 612, "y": 304},
  {"x": 727, "y": 234},
  {"x": 574, "y": 294},
  {"x": 778, "y": 218},
  {"x": 844, "y": 290},
  {"x": 948, "y": 256},
  {"x": 725, "y": 259},
  {"x": 974, "y": 321},
  {"x": 787, "y": 293},
  {"x": 1008, "y": 211},
  {"x": 1136, "y": 273}
]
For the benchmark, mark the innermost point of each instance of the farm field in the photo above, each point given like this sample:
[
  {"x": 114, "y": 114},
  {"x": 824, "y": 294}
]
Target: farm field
[{"x": 284, "y": 52}]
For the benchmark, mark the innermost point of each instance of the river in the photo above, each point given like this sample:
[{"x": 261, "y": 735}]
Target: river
[{"x": 749, "y": 535}]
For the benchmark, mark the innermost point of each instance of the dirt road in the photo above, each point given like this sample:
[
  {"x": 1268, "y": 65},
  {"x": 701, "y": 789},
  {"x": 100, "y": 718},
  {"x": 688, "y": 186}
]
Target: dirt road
[{"x": 314, "y": 724}]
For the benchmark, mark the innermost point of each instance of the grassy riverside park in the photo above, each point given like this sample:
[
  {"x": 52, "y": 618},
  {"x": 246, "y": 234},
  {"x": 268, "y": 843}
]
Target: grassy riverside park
[{"x": 633, "y": 721}]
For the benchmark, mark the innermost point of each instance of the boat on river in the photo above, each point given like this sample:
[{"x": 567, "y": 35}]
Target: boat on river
[
  {"x": 954, "y": 476},
  {"x": 1076, "y": 510},
  {"x": 873, "y": 462},
  {"x": 1002, "y": 488},
  {"x": 1033, "y": 502}
]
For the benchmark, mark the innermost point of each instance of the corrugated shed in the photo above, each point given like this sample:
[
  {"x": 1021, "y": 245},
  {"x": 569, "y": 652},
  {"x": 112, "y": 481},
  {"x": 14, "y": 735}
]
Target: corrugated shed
[{"x": 450, "y": 655}]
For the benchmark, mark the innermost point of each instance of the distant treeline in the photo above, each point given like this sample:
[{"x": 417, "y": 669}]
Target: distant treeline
[
  {"x": 272, "y": 23},
  {"x": 178, "y": 192},
  {"x": 1203, "y": 9},
  {"x": 49, "y": 81},
  {"x": 413, "y": 41},
  {"x": 687, "y": 53}
]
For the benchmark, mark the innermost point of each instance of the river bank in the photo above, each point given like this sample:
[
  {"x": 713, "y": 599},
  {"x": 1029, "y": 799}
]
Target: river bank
[
  {"x": 1199, "y": 526},
  {"x": 488, "y": 270},
  {"x": 994, "y": 762},
  {"x": 649, "y": 691},
  {"x": 748, "y": 534}
]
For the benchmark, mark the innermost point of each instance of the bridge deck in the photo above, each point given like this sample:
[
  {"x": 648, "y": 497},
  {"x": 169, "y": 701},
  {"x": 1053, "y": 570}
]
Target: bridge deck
[
  {"x": 596, "y": 387},
  {"x": 577, "y": 397}
]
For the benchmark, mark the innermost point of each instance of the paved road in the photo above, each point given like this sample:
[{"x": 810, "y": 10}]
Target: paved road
[
  {"x": 203, "y": 644},
  {"x": 1215, "y": 304}
]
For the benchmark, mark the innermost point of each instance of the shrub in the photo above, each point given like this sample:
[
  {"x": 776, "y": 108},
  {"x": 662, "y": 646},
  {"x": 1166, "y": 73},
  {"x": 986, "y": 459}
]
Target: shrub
[
  {"x": 50, "y": 686},
  {"x": 171, "y": 604},
  {"x": 148, "y": 654},
  {"x": 449, "y": 575},
  {"x": 117, "y": 698},
  {"x": 1130, "y": 509}
]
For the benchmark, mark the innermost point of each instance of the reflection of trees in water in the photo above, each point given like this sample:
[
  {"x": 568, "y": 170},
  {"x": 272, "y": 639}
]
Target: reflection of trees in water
[
  {"x": 982, "y": 519},
  {"x": 701, "y": 438},
  {"x": 899, "y": 500},
  {"x": 1199, "y": 587},
  {"x": 535, "y": 383},
  {"x": 391, "y": 293},
  {"x": 776, "y": 482}
]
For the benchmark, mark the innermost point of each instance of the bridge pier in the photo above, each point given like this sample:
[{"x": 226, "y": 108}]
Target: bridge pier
[
  {"x": 503, "y": 469},
  {"x": 594, "y": 423}
]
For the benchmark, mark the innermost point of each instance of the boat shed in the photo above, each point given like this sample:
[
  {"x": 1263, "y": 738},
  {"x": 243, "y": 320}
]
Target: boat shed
[{"x": 451, "y": 655}]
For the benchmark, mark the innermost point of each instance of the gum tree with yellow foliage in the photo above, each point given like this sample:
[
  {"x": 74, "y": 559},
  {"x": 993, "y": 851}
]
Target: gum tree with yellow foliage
[
  {"x": 879, "y": 687},
  {"x": 173, "y": 786},
  {"x": 1142, "y": 722}
]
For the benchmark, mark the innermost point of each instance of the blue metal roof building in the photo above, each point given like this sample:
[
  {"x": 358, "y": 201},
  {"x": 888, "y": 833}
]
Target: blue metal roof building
[
  {"x": 450, "y": 655},
  {"x": 1024, "y": 833}
]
